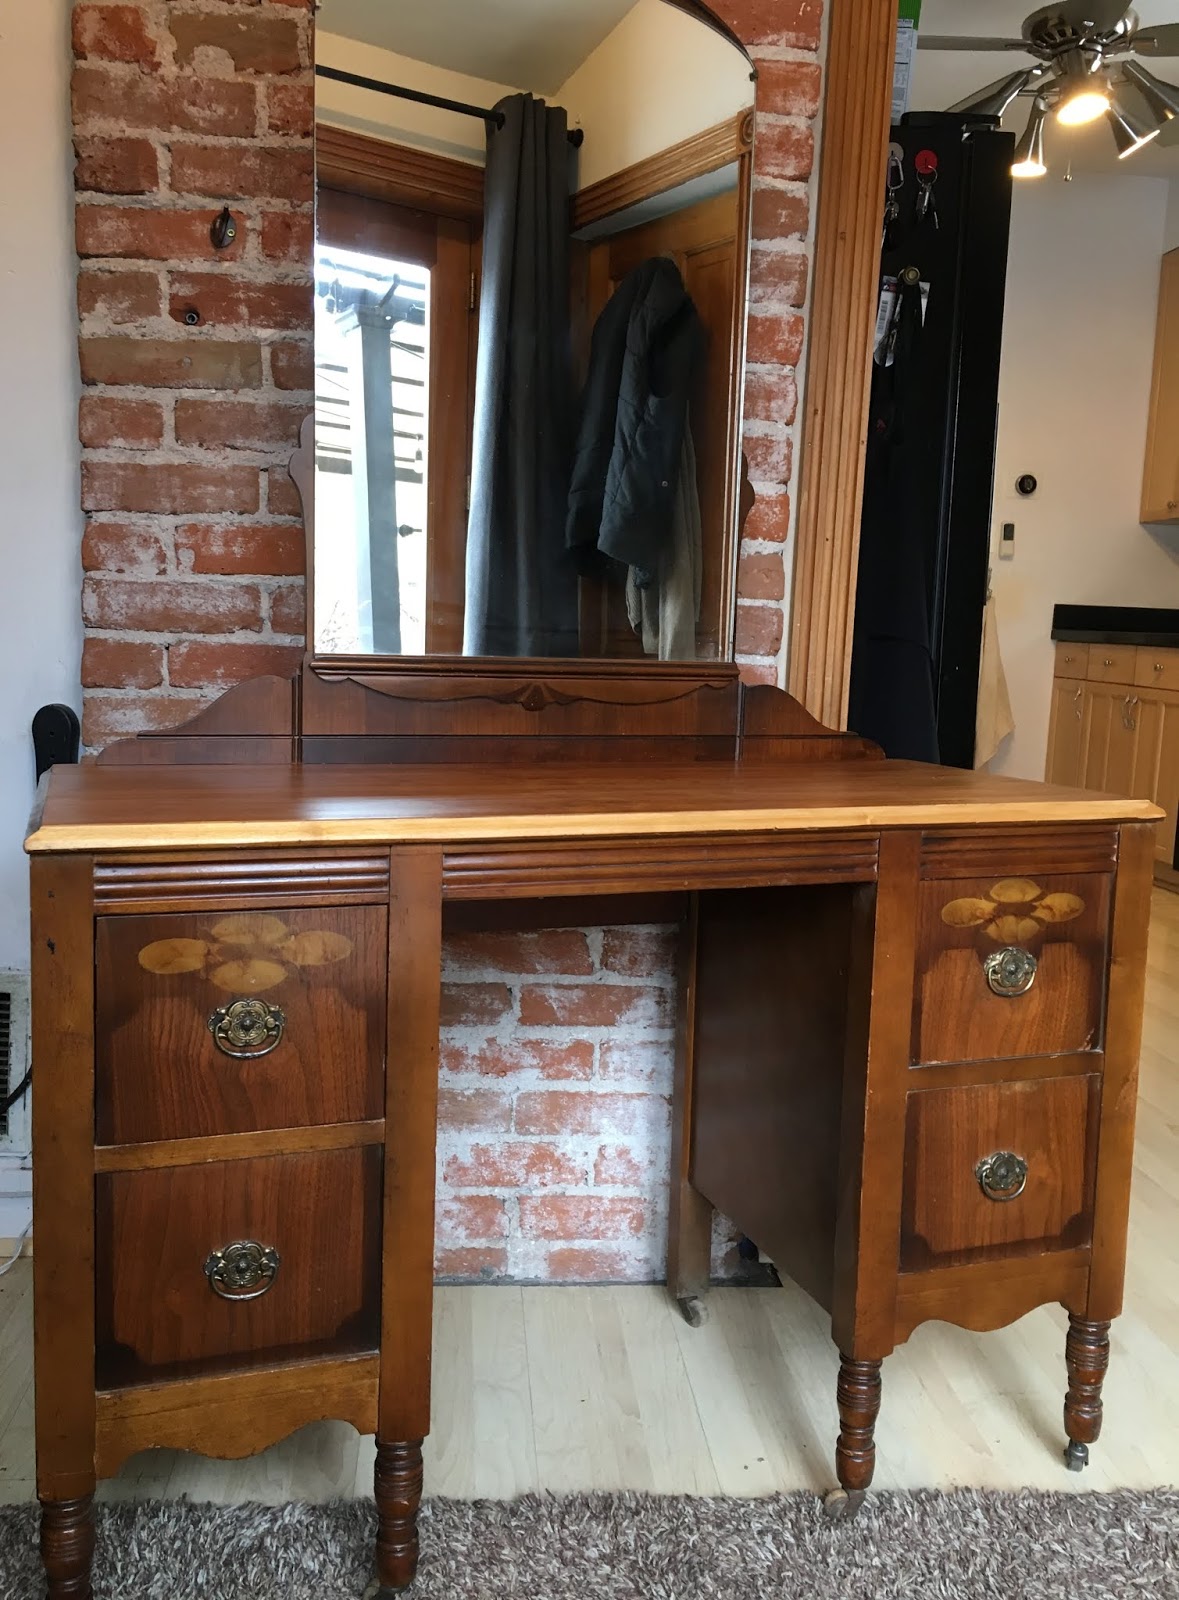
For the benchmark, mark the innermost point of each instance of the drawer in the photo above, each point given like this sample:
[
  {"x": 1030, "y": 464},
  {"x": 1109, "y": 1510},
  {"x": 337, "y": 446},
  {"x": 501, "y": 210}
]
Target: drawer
[
  {"x": 210, "y": 1024},
  {"x": 1112, "y": 663},
  {"x": 1157, "y": 669},
  {"x": 999, "y": 1169},
  {"x": 1072, "y": 660},
  {"x": 980, "y": 939},
  {"x": 157, "y": 1235}
]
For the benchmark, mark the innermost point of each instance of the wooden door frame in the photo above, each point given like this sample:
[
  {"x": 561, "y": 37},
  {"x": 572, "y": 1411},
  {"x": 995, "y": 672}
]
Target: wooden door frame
[{"x": 856, "y": 118}]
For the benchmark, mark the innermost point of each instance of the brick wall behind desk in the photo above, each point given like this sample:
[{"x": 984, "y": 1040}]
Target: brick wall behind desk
[{"x": 558, "y": 1046}]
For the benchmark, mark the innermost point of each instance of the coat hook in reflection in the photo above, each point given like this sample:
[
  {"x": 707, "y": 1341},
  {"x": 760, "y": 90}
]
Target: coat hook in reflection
[{"x": 224, "y": 230}]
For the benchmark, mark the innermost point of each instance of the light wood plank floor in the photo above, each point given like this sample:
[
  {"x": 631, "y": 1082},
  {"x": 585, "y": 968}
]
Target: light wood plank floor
[{"x": 567, "y": 1389}]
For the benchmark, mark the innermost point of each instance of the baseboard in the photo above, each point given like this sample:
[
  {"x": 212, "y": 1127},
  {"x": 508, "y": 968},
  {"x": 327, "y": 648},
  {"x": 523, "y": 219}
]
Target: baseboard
[
  {"x": 7, "y": 1246},
  {"x": 1166, "y": 877}
]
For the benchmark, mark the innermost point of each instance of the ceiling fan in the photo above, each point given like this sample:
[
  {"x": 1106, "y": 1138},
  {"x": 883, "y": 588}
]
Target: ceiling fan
[{"x": 1081, "y": 72}]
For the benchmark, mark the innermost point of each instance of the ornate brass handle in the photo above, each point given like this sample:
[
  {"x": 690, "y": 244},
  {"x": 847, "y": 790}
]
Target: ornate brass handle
[
  {"x": 1002, "y": 1176},
  {"x": 1010, "y": 971},
  {"x": 244, "y": 1270},
  {"x": 247, "y": 1028}
]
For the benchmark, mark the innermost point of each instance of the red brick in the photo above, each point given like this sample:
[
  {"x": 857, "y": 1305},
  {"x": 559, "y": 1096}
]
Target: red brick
[
  {"x": 116, "y": 33},
  {"x": 785, "y": 150},
  {"x": 244, "y": 171},
  {"x": 769, "y": 456},
  {"x": 274, "y": 549},
  {"x": 594, "y": 1005},
  {"x": 239, "y": 302},
  {"x": 182, "y": 105},
  {"x": 121, "y": 296},
  {"x": 167, "y": 607},
  {"x": 797, "y": 24},
  {"x": 778, "y": 214},
  {"x": 576, "y": 1216},
  {"x": 494, "y": 1059},
  {"x": 550, "y": 950},
  {"x": 105, "y": 421},
  {"x": 288, "y": 235},
  {"x": 122, "y": 547},
  {"x": 200, "y": 664},
  {"x": 770, "y": 517},
  {"x": 169, "y": 488},
  {"x": 788, "y": 88},
  {"x": 470, "y": 1263},
  {"x": 771, "y": 394},
  {"x": 292, "y": 366},
  {"x": 106, "y": 717},
  {"x": 635, "y": 1061},
  {"x": 288, "y": 609},
  {"x": 121, "y": 664},
  {"x": 568, "y": 1111},
  {"x": 116, "y": 166},
  {"x": 483, "y": 1109},
  {"x": 238, "y": 424},
  {"x": 172, "y": 364},
  {"x": 638, "y": 952},
  {"x": 765, "y": 672},
  {"x": 575, "y": 1265},
  {"x": 254, "y": 44},
  {"x": 475, "y": 1004},
  {"x": 759, "y": 630},
  {"x": 149, "y": 233},
  {"x": 761, "y": 577},
  {"x": 514, "y": 1165},
  {"x": 290, "y": 108},
  {"x": 778, "y": 277},
  {"x": 616, "y": 1166},
  {"x": 282, "y": 497},
  {"x": 775, "y": 339},
  {"x": 472, "y": 1216}
]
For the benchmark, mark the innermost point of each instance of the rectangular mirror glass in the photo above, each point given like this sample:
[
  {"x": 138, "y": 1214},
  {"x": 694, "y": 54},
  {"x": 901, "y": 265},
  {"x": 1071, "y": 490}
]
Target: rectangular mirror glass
[{"x": 531, "y": 259}]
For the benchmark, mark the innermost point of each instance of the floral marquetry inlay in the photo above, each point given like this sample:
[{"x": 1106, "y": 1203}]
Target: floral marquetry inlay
[
  {"x": 246, "y": 954},
  {"x": 1015, "y": 910}
]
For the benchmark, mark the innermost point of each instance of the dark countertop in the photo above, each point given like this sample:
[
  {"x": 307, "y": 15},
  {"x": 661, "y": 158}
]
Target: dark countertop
[{"x": 1155, "y": 626}]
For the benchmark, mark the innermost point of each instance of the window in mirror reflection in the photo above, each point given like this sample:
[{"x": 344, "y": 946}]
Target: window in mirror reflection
[{"x": 566, "y": 190}]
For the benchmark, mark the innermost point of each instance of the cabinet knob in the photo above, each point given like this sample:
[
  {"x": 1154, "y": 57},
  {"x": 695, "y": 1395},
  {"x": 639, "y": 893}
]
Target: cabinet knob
[
  {"x": 1172, "y": 505},
  {"x": 1010, "y": 971},
  {"x": 1002, "y": 1176},
  {"x": 246, "y": 1029},
  {"x": 244, "y": 1270},
  {"x": 1108, "y": 661}
]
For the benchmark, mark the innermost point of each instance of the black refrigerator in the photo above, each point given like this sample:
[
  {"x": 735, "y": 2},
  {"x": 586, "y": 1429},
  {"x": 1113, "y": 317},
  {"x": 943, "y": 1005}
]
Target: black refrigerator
[{"x": 925, "y": 530}]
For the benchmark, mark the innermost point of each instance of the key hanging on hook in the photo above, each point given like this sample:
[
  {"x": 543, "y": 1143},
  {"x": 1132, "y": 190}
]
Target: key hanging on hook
[
  {"x": 926, "y": 164},
  {"x": 895, "y": 183}
]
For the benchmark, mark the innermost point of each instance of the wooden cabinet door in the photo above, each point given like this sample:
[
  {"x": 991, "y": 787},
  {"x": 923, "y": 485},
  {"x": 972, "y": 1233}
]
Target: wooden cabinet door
[
  {"x": 1160, "y": 483},
  {"x": 1110, "y": 739},
  {"x": 1065, "y": 729},
  {"x": 1157, "y": 764}
]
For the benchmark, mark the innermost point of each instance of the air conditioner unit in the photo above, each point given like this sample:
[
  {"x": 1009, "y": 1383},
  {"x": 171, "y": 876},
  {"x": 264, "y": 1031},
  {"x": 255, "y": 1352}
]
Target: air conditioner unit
[{"x": 15, "y": 1135}]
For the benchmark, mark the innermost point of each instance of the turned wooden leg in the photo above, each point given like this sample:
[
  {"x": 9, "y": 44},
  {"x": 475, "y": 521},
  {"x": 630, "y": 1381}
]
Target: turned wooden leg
[
  {"x": 858, "y": 1397},
  {"x": 1086, "y": 1352},
  {"x": 397, "y": 1482},
  {"x": 67, "y": 1546}
]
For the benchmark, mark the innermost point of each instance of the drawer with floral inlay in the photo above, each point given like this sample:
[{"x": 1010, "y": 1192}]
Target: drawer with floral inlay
[{"x": 231, "y": 1023}]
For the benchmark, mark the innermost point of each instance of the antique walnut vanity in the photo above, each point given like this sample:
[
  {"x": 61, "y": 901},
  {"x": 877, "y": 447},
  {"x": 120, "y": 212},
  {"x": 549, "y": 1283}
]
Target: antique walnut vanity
[{"x": 910, "y": 997}]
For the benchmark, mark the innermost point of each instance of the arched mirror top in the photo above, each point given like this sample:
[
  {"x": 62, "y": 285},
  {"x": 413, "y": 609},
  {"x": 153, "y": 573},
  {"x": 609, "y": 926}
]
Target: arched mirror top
[{"x": 531, "y": 273}]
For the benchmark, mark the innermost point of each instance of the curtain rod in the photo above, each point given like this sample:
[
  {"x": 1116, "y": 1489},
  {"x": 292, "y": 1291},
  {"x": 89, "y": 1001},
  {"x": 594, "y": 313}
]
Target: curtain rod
[{"x": 492, "y": 118}]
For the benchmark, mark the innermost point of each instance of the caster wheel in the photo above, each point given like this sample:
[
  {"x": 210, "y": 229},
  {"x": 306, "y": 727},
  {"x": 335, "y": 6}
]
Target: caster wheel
[
  {"x": 1076, "y": 1457},
  {"x": 693, "y": 1310},
  {"x": 842, "y": 1505}
]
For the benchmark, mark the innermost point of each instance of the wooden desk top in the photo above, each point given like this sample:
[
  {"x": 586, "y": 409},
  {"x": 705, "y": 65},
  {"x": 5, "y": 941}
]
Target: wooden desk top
[{"x": 95, "y": 808}]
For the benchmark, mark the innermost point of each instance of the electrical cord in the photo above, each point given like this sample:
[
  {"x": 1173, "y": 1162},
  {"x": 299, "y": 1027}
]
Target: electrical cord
[
  {"x": 16, "y": 1254},
  {"x": 18, "y": 1093}
]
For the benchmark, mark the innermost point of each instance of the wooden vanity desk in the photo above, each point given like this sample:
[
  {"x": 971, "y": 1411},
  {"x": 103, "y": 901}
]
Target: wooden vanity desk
[{"x": 907, "y": 1049}]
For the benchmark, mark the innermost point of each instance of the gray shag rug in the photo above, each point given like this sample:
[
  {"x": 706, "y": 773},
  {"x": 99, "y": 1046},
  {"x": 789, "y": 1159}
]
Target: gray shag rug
[{"x": 968, "y": 1545}]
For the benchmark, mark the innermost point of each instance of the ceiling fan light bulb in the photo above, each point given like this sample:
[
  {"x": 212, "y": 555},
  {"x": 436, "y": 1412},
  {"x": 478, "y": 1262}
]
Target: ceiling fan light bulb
[
  {"x": 1083, "y": 107},
  {"x": 1028, "y": 169},
  {"x": 1029, "y": 152}
]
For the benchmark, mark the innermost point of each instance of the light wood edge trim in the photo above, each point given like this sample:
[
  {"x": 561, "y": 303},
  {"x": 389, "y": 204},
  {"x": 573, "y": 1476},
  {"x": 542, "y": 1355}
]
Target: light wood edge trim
[
  {"x": 834, "y": 430},
  {"x": 1014, "y": 1069},
  {"x": 234, "y": 1414},
  {"x": 386, "y": 170},
  {"x": 704, "y": 152},
  {"x": 958, "y": 1294},
  {"x": 1154, "y": 515},
  {"x": 148, "y": 1155},
  {"x": 70, "y": 838}
]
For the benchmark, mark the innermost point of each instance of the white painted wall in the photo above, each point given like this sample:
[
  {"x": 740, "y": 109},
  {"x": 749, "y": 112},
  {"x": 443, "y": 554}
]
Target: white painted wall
[
  {"x": 40, "y": 523},
  {"x": 1078, "y": 348}
]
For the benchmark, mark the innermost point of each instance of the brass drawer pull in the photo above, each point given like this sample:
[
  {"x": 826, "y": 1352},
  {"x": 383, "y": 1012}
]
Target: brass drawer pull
[
  {"x": 244, "y": 1270},
  {"x": 1002, "y": 1176},
  {"x": 247, "y": 1028},
  {"x": 1010, "y": 971}
]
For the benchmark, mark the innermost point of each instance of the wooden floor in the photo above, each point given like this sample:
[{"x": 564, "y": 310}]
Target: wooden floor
[{"x": 566, "y": 1389}]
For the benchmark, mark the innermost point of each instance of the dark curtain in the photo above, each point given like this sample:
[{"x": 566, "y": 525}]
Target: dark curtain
[{"x": 521, "y": 597}]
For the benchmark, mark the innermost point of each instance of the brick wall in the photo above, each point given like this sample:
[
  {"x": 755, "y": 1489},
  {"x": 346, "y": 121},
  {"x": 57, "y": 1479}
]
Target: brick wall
[{"x": 557, "y": 1045}]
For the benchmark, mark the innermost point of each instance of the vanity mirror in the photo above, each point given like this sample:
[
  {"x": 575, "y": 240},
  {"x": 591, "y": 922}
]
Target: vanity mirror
[{"x": 531, "y": 263}]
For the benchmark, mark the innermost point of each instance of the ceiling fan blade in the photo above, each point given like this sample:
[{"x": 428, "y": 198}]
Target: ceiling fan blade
[
  {"x": 957, "y": 41},
  {"x": 1162, "y": 41},
  {"x": 1096, "y": 16}
]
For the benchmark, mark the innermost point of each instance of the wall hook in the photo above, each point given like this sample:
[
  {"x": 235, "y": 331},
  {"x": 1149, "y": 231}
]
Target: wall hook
[{"x": 224, "y": 229}]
